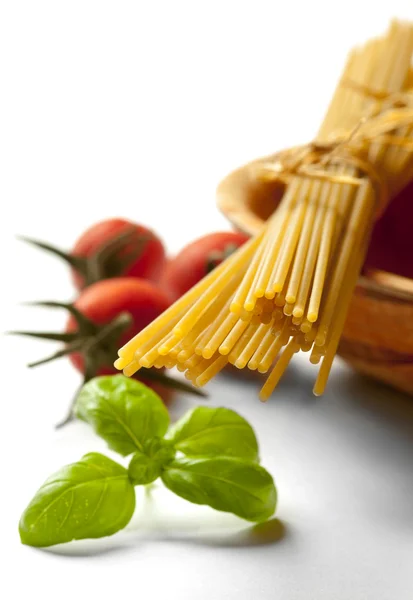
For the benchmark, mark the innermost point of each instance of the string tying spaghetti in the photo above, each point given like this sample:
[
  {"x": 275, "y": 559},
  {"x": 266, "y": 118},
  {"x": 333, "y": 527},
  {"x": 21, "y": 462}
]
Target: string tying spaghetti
[{"x": 387, "y": 114}]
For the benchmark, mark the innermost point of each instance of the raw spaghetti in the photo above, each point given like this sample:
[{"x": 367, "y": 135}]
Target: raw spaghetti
[{"x": 288, "y": 289}]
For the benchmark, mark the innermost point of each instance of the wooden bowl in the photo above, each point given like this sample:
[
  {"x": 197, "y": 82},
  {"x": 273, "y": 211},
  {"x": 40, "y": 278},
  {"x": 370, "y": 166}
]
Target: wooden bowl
[{"x": 378, "y": 335}]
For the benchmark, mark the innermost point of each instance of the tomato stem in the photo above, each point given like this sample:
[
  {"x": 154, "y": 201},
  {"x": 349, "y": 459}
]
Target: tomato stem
[
  {"x": 97, "y": 346},
  {"x": 59, "y": 354},
  {"x": 45, "y": 335},
  {"x": 86, "y": 325},
  {"x": 77, "y": 262},
  {"x": 216, "y": 257},
  {"x": 171, "y": 382},
  {"x": 111, "y": 259}
]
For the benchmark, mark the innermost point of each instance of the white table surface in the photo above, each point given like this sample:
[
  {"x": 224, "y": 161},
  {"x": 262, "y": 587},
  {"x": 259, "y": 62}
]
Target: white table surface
[{"x": 138, "y": 109}]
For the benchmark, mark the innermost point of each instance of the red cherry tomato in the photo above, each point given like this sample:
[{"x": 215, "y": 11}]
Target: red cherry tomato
[
  {"x": 104, "y": 317},
  {"x": 197, "y": 259},
  {"x": 105, "y": 300},
  {"x": 149, "y": 261}
]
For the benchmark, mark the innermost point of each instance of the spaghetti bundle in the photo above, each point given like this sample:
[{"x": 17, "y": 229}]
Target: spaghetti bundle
[{"x": 288, "y": 289}]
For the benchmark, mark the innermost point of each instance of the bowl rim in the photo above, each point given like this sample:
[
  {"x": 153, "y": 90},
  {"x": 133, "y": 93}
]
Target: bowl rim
[{"x": 380, "y": 284}]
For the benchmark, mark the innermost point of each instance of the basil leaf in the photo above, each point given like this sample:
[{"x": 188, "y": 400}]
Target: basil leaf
[
  {"x": 123, "y": 411},
  {"x": 224, "y": 483},
  {"x": 147, "y": 466},
  {"x": 207, "y": 431},
  {"x": 88, "y": 499}
]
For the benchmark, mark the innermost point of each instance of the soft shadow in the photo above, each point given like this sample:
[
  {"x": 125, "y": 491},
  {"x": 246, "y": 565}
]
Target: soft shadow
[
  {"x": 261, "y": 534},
  {"x": 391, "y": 413},
  {"x": 231, "y": 372},
  {"x": 384, "y": 402},
  {"x": 269, "y": 532},
  {"x": 296, "y": 381},
  {"x": 87, "y": 548},
  {"x": 248, "y": 377}
]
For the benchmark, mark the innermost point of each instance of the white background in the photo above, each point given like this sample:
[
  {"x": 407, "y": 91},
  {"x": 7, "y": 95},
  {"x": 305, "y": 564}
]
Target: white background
[{"x": 138, "y": 109}]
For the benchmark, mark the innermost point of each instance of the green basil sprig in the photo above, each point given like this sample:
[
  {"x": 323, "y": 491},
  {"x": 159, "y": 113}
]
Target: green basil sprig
[{"x": 210, "y": 457}]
